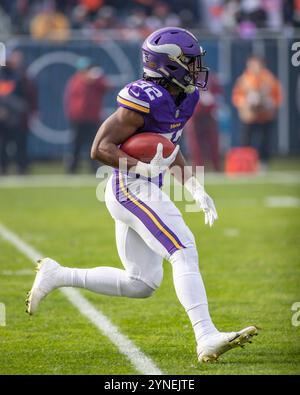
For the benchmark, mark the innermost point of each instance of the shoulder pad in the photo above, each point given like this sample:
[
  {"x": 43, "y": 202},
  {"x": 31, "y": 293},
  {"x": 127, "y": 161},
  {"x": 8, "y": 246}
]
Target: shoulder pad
[{"x": 134, "y": 97}]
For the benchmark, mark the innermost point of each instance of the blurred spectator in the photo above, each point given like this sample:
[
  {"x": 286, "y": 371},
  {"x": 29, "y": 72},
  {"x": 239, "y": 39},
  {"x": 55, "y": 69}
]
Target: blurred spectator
[
  {"x": 230, "y": 10},
  {"x": 257, "y": 96},
  {"x": 274, "y": 12},
  {"x": 136, "y": 23},
  {"x": 296, "y": 13},
  {"x": 251, "y": 16},
  {"x": 50, "y": 24},
  {"x": 5, "y": 24},
  {"x": 83, "y": 105},
  {"x": 94, "y": 22},
  {"x": 18, "y": 12},
  {"x": 212, "y": 18},
  {"x": 92, "y": 6},
  {"x": 162, "y": 17},
  {"x": 136, "y": 19},
  {"x": 144, "y": 2},
  {"x": 243, "y": 16},
  {"x": 292, "y": 12},
  {"x": 106, "y": 18},
  {"x": 79, "y": 17},
  {"x": 202, "y": 131},
  {"x": 18, "y": 100},
  {"x": 253, "y": 11}
]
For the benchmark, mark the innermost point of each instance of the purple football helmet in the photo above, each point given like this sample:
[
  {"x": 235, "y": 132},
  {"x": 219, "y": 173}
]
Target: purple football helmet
[{"x": 175, "y": 54}]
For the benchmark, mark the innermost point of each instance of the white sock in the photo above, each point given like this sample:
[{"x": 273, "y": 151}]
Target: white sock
[
  {"x": 190, "y": 291},
  {"x": 106, "y": 281}
]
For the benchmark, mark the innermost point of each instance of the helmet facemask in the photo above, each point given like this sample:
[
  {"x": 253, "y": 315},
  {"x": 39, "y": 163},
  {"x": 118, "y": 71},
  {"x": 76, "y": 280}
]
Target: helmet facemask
[{"x": 198, "y": 73}]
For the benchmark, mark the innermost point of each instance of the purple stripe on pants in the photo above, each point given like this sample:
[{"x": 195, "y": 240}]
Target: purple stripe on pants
[{"x": 144, "y": 218}]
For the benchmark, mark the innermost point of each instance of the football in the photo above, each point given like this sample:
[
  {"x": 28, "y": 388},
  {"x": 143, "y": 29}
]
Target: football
[{"x": 143, "y": 146}]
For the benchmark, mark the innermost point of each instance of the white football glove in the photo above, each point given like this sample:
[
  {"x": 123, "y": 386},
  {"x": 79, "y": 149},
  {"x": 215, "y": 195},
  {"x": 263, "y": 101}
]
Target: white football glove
[
  {"x": 203, "y": 199},
  {"x": 158, "y": 164}
]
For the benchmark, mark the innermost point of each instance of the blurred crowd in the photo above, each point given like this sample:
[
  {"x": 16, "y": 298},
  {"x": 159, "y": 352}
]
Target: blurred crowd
[
  {"x": 18, "y": 102},
  {"x": 56, "y": 19},
  {"x": 82, "y": 102},
  {"x": 257, "y": 96}
]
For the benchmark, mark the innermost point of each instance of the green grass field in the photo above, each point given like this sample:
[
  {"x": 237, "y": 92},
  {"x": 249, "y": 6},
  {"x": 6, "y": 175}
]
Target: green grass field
[{"x": 250, "y": 262}]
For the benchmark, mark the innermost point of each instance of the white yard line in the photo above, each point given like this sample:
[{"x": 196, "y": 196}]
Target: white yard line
[
  {"x": 282, "y": 201},
  {"x": 22, "y": 272},
  {"x": 231, "y": 232},
  {"x": 139, "y": 360},
  {"x": 48, "y": 181},
  {"x": 71, "y": 181}
]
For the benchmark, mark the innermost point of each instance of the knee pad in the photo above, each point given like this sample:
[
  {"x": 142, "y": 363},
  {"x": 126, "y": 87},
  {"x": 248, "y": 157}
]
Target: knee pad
[
  {"x": 155, "y": 278},
  {"x": 138, "y": 289},
  {"x": 185, "y": 260},
  {"x": 151, "y": 278}
]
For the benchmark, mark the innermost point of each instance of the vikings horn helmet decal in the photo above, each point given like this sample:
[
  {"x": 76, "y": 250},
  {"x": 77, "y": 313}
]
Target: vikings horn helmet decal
[{"x": 175, "y": 54}]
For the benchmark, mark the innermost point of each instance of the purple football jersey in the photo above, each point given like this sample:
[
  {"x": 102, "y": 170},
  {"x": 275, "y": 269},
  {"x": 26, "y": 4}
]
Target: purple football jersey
[{"x": 161, "y": 114}]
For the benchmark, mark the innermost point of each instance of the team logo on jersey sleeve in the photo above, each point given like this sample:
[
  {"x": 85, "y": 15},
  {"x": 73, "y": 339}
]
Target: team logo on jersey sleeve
[
  {"x": 136, "y": 94},
  {"x": 126, "y": 99}
]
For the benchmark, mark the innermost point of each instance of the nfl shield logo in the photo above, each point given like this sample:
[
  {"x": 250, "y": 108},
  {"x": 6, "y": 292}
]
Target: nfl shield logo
[{"x": 177, "y": 113}]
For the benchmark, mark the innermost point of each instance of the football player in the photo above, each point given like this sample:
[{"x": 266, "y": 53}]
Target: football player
[{"x": 149, "y": 230}]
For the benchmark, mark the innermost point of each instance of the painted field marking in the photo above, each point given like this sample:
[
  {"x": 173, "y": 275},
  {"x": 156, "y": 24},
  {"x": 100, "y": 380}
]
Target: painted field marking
[
  {"x": 2, "y": 314},
  {"x": 22, "y": 272},
  {"x": 80, "y": 181},
  {"x": 282, "y": 201},
  {"x": 139, "y": 360},
  {"x": 231, "y": 232}
]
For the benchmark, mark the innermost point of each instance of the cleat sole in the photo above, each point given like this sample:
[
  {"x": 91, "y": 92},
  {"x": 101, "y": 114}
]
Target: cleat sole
[
  {"x": 243, "y": 337},
  {"x": 29, "y": 293}
]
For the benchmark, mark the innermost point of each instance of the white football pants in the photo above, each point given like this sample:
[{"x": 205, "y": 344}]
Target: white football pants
[{"x": 149, "y": 227}]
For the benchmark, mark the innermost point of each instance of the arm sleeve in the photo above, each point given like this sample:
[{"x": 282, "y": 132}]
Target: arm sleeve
[{"x": 134, "y": 98}]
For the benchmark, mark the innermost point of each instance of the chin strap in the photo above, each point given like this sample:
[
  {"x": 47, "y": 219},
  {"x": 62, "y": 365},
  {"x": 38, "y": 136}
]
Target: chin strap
[
  {"x": 165, "y": 75},
  {"x": 187, "y": 89}
]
